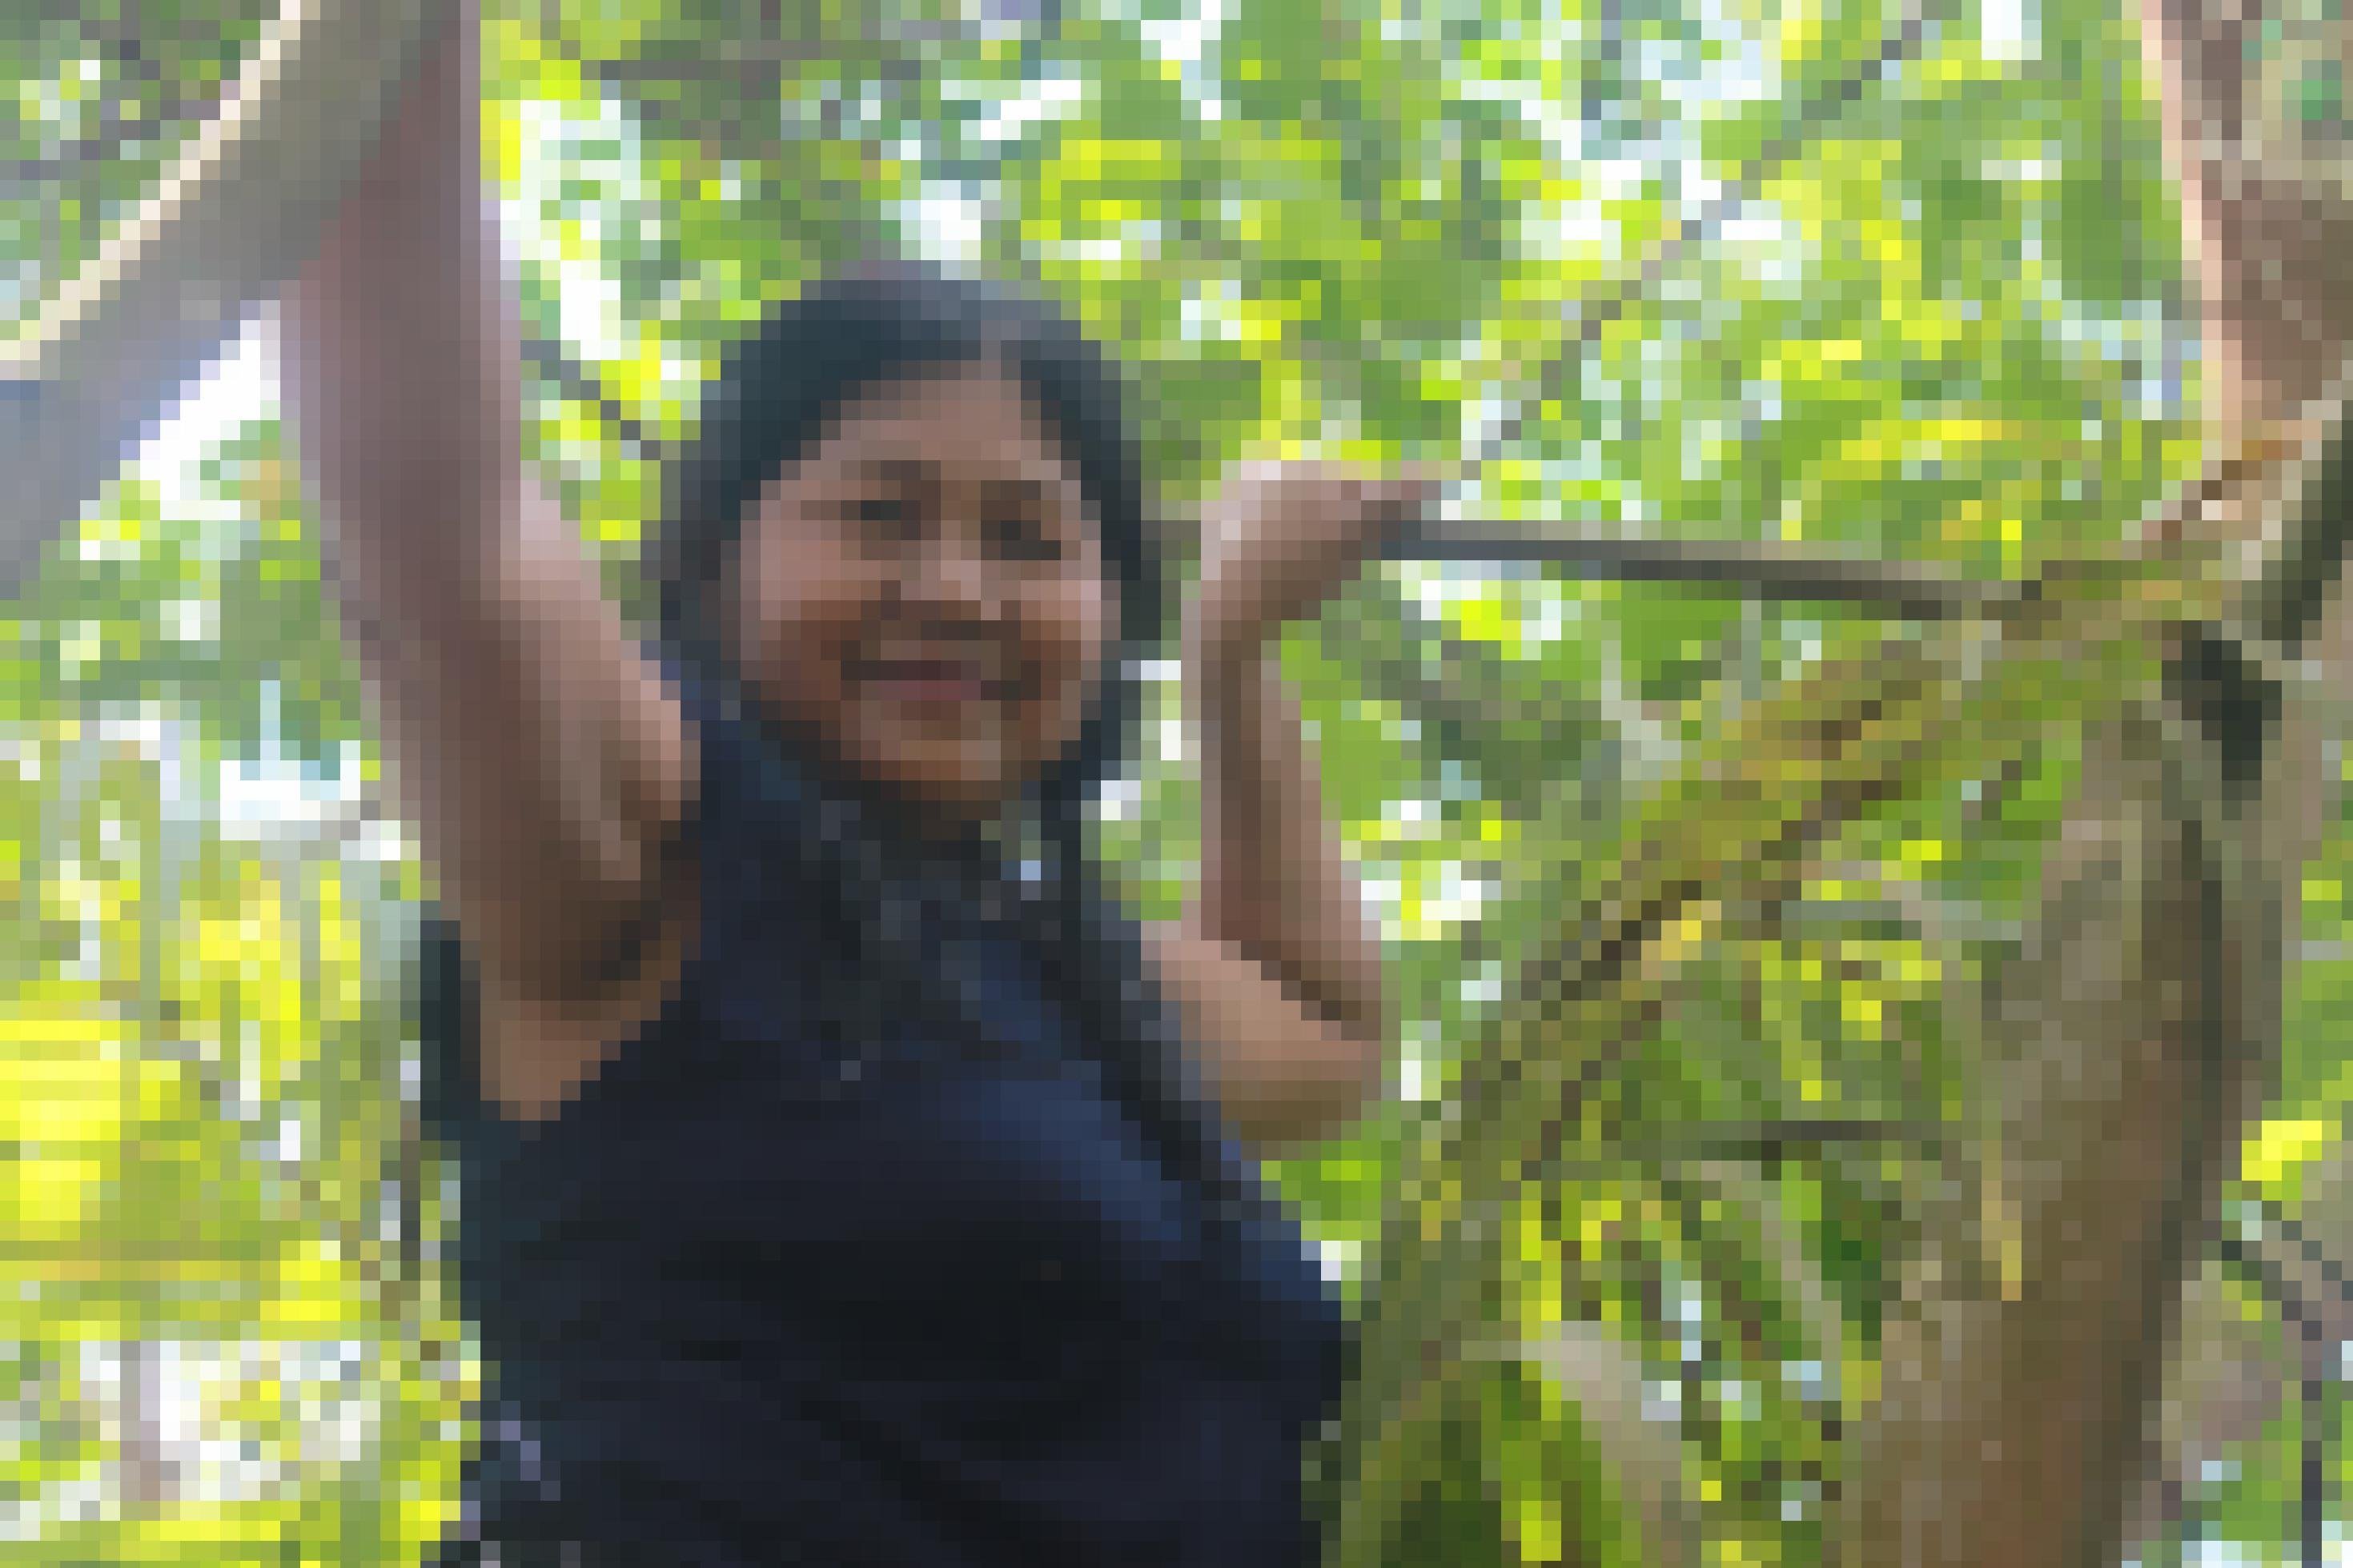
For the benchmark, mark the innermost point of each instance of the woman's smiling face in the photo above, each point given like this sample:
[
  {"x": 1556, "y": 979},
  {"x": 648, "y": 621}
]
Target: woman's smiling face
[{"x": 924, "y": 592}]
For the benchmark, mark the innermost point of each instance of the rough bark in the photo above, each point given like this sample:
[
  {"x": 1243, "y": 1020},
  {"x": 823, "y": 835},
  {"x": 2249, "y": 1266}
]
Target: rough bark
[
  {"x": 2017, "y": 1369},
  {"x": 2126, "y": 1052}
]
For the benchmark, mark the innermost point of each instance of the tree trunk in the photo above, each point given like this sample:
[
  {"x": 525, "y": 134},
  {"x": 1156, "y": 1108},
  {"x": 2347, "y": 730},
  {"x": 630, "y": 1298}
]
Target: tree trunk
[
  {"x": 2125, "y": 1052},
  {"x": 2017, "y": 1371}
]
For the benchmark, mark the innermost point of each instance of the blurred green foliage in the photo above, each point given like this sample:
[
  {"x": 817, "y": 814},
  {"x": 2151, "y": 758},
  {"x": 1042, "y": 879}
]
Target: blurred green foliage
[{"x": 1711, "y": 270}]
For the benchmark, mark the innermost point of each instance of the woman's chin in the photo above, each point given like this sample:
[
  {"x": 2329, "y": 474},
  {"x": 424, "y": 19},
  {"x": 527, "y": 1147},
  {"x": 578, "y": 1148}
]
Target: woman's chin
[{"x": 937, "y": 796}]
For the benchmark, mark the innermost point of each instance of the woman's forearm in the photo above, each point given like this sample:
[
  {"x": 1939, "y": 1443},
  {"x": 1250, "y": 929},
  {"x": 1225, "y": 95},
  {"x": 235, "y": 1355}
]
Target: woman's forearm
[
  {"x": 400, "y": 352},
  {"x": 1275, "y": 885},
  {"x": 524, "y": 734}
]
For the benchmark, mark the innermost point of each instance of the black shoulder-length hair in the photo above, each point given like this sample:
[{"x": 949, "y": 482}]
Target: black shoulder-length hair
[{"x": 778, "y": 391}]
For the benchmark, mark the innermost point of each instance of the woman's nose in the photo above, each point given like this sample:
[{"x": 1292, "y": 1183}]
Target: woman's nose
[{"x": 949, "y": 574}]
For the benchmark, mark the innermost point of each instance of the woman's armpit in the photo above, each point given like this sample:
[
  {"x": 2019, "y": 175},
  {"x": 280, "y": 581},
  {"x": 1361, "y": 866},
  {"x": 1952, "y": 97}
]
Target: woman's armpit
[{"x": 538, "y": 1054}]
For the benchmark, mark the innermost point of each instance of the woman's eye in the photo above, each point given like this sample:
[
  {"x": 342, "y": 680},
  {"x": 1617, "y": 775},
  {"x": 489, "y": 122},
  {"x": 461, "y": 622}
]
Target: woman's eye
[
  {"x": 1024, "y": 540},
  {"x": 881, "y": 513}
]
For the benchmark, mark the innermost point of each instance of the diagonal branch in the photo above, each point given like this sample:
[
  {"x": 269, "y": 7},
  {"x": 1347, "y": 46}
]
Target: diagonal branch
[
  {"x": 118, "y": 347},
  {"x": 1754, "y": 571},
  {"x": 578, "y": 383},
  {"x": 1592, "y": 317}
]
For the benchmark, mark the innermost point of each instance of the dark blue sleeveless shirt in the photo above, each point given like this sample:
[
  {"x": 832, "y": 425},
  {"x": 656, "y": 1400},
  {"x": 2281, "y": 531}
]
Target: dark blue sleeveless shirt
[{"x": 763, "y": 1293}]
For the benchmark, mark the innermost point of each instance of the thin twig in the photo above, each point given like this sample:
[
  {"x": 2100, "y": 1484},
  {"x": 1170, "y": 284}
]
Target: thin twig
[
  {"x": 578, "y": 383},
  {"x": 1592, "y": 317}
]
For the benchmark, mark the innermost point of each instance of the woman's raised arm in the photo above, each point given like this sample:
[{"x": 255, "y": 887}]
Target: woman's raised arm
[{"x": 541, "y": 757}]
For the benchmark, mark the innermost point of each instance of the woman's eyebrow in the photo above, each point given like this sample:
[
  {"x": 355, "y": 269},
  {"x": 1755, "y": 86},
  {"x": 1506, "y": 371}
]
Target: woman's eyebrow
[
  {"x": 921, "y": 470},
  {"x": 1022, "y": 488},
  {"x": 898, "y": 470}
]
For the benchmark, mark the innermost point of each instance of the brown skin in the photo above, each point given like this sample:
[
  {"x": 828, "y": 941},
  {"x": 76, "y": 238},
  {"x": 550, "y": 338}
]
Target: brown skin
[
  {"x": 545, "y": 763},
  {"x": 523, "y": 733},
  {"x": 1277, "y": 968},
  {"x": 937, "y": 522}
]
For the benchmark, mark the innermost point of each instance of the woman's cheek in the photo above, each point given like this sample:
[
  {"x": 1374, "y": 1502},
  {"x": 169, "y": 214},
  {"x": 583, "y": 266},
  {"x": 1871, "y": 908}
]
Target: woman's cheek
[
  {"x": 808, "y": 662},
  {"x": 1063, "y": 709}
]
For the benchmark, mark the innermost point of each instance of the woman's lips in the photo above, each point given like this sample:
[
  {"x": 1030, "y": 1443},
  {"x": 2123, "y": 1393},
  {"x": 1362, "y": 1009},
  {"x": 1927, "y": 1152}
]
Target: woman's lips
[
  {"x": 933, "y": 690},
  {"x": 930, "y": 685}
]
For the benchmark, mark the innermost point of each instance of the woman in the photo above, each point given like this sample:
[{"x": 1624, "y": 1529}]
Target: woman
[{"x": 836, "y": 1190}]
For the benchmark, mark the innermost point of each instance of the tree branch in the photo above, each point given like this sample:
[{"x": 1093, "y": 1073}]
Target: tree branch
[
  {"x": 115, "y": 350},
  {"x": 1595, "y": 316}
]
